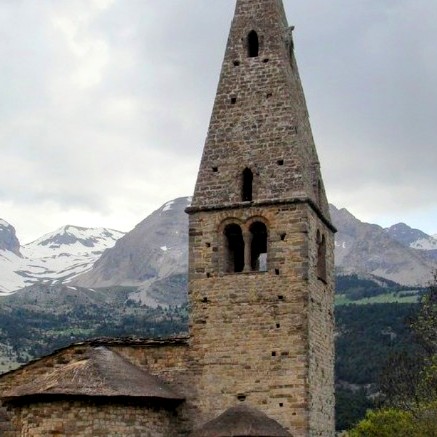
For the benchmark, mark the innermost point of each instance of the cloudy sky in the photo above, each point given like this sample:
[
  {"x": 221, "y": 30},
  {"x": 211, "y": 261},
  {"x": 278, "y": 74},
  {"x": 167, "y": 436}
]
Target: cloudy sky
[{"x": 104, "y": 105}]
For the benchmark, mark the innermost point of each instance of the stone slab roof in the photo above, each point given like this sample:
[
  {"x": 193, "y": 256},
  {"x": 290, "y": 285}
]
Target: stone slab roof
[
  {"x": 100, "y": 373},
  {"x": 108, "y": 342},
  {"x": 242, "y": 421}
]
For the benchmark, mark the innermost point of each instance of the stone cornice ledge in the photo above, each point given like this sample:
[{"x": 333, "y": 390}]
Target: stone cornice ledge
[{"x": 260, "y": 203}]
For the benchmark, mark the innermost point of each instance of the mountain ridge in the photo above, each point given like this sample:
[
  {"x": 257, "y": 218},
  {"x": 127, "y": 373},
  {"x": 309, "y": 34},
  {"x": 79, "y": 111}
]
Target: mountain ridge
[
  {"x": 369, "y": 248},
  {"x": 55, "y": 257},
  {"x": 153, "y": 257}
]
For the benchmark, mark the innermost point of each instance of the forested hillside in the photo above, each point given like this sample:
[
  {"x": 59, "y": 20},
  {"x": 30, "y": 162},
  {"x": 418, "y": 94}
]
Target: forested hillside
[
  {"x": 37, "y": 321},
  {"x": 42, "y": 318}
]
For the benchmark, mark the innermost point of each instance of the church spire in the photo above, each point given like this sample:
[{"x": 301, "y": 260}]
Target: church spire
[{"x": 260, "y": 119}]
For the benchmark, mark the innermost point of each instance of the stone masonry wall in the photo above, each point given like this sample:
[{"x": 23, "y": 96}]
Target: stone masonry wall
[
  {"x": 87, "y": 419},
  {"x": 321, "y": 333},
  {"x": 174, "y": 365}
]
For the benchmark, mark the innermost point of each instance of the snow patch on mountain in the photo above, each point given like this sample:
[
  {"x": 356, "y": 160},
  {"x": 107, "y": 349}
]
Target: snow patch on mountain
[
  {"x": 340, "y": 244},
  {"x": 411, "y": 237},
  {"x": 167, "y": 206},
  {"x": 176, "y": 202},
  {"x": 4, "y": 224},
  {"x": 429, "y": 243}
]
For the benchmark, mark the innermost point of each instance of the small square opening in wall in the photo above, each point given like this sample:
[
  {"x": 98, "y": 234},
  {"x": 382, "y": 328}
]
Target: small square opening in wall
[
  {"x": 208, "y": 244},
  {"x": 280, "y": 297},
  {"x": 277, "y": 272},
  {"x": 281, "y": 404},
  {"x": 269, "y": 95},
  {"x": 241, "y": 397},
  {"x": 283, "y": 235},
  {"x": 265, "y": 60},
  {"x": 278, "y": 325},
  {"x": 233, "y": 100},
  {"x": 236, "y": 63},
  {"x": 205, "y": 300},
  {"x": 208, "y": 275},
  {"x": 280, "y": 162},
  {"x": 215, "y": 169},
  {"x": 273, "y": 354}
]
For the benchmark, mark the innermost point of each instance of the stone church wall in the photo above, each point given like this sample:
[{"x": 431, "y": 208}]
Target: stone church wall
[{"x": 87, "y": 419}]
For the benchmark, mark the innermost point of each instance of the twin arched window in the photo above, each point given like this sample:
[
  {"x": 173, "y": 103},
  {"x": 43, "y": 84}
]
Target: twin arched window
[{"x": 246, "y": 250}]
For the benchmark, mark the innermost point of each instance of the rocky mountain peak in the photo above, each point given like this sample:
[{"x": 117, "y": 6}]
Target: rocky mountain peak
[
  {"x": 364, "y": 247},
  {"x": 8, "y": 239},
  {"x": 71, "y": 235},
  {"x": 411, "y": 237},
  {"x": 155, "y": 249}
]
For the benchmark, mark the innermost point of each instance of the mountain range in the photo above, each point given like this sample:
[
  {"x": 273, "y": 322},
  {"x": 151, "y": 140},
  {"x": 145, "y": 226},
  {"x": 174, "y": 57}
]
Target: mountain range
[
  {"x": 398, "y": 253},
  {"x": 153, "y": 257}
]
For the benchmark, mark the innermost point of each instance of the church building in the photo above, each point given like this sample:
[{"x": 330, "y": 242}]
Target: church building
[{"x": 259, "y": 357}]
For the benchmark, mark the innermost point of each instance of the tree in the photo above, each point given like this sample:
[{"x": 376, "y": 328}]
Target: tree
[
  {"x": 422, "y": 422},
  {"x": 425, "y": 322},
  {"x": 385, "y": 423},
  {"x": 400, "y": 378},
  {"x": 409, "y": 376},
  {"x": 409, "y": 382}
]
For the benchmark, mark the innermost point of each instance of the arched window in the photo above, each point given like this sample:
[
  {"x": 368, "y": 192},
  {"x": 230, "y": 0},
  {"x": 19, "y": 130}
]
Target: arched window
[
  {"x": 246, "y": 194},
  {"x": 234, "y": 248},
  {"x": 321, "y": 257},
  {"x": 258, "y": 249},
  {"x": 252, "y": 44}
]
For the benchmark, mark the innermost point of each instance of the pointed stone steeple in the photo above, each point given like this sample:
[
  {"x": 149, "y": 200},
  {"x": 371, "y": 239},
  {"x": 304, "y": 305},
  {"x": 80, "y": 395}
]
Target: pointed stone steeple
[
  {"x": 260, "y": 119},
  {"x": 261, "y": 263}
]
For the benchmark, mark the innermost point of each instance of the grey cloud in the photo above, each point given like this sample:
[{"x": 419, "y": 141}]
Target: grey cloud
[{"x": 368, "y": 70}]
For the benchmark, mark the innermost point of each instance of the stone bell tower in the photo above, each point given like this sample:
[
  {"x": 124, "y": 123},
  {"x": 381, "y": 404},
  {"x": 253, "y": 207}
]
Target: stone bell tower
[{"x": 261, "y": 263}]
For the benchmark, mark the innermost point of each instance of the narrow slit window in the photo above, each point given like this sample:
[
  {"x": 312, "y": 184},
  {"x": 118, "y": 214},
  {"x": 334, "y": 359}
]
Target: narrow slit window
[
  {"x": 252, "y": 44},
  {"x": 258, "y": 250},
  {"x": 292, "y": 54},
  {"x": 321, "y": 257},
  {"x": 234, "y": 249},
  {"x": 319, "y": 192},
  {"x": 247, "y": 185}
]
